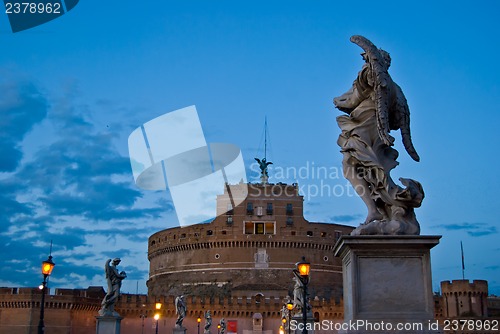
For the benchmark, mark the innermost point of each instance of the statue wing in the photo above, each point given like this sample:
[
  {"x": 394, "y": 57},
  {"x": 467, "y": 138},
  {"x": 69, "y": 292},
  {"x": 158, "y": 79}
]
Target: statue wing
[
  {"x": 107, "y": 269},
  {"x": 382, "y": 82},
  {"x": 400, "y": 119},
  {"x": 258, "y": 160}
]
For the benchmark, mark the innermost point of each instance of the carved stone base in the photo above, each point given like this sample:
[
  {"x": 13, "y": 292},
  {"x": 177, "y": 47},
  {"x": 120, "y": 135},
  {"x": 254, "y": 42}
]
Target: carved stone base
[
  {"x": 298, "y": 323},
  {"x": 108, "y": 325},
  {"x": 179, "y": 330},
  {"x": 387, "y": 280}
]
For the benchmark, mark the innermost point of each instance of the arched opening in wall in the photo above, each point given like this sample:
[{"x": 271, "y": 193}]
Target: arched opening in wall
[
  {"x": 316, "y": 316},
  {"x": 153, "y": 243},
  {"x": 259, "y": 298},
  {"x": 210, "y": 232}
]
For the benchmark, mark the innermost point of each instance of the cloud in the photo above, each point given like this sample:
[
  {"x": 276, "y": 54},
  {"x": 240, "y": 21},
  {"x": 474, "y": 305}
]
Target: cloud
[
  {"x": 345, "y": 218},
  {"x": 497, "y": 267},
  {"x": 21, "y": 107},
  {"x": 76, "y": 190},
  {"x": 472, "y": 229}
]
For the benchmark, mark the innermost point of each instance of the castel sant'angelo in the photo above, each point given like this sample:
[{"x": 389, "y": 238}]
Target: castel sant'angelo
[{"x": 247, "y": 250}]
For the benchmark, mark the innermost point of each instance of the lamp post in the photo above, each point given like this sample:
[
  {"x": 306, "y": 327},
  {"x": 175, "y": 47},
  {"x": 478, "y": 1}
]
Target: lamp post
[
  {"x": 198, "y": 321},
  {"x": 302, "y": 272},
  {"x": 289, "y": 307},
  {"x": 142, "y": 316},
  {"x": 47, "y": 267},
  {"x": 218, "y": 329},
  {"x": 157, "y": 314}
]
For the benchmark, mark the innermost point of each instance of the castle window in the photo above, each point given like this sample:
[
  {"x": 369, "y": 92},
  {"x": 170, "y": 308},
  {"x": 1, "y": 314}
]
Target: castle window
[
  {"x": 309, "y": 233},
  {"x": 260, "y": 211},
  {"x": 269, "y": 210},
  {"x": 289, "y": 221},
  {"x": 210, "y": 232},
  {"x": 249, "y": 228},
  {"x": 224, "y": 232},
  {"x": 250, "y": 208},
  {"x": 229, "y": 209},
  {"x": 323, "y": 234},
  {"x": 153, "y": 243},
  {"x": 182, "y": 236},
  {"x": 270, "y": 228},
  {"x": 229, "y": 220},
  {"x": 289, "y": 209},
  {"x": 293, "y": 233},
  {"x": 259, "y": 228}
]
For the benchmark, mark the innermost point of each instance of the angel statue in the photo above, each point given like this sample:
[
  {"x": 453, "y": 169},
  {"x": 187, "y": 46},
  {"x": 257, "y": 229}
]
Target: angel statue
[
  {"x": 375, "y": 105},
  {"x": 208, "y": 322},
  {"x": 114, "y": 279},
  {"x": 263, "y": 167},
  {"x": 180, "y": 310}
]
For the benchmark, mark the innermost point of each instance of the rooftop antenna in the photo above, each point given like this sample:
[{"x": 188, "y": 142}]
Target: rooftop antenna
[
  {"x": 264, "y": 176},
  {"x": 463, "y": 262},
  {"x": 265, "y": 138}
]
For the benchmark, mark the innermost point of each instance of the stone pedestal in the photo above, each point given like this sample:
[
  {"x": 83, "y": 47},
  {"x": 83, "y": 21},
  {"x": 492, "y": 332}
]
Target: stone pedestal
[
  {"x": 108, "y": 325},
  {"x": 299, "y": 321},
  {"x": 387, "y": 282},
  {"x": 179, "y": 330}
]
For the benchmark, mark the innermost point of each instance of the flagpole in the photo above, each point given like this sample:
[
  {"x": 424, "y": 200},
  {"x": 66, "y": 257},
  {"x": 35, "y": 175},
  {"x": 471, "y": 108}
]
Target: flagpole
[{"x": 463, "y": 263}]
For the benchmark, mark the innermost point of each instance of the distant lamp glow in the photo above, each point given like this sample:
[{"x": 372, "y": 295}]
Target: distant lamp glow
[
  {"x": 289, "y": 306},
  {"x": 303, "y": 267},
  {"x": 47, "y": 266},
  {"x": 198, "y": 320},
  {"x": 157, "y": 316},
  {"x": 40, "y": 286},
  {"x": 158, "y": 306},
  {"x": 283, "y": 320}
]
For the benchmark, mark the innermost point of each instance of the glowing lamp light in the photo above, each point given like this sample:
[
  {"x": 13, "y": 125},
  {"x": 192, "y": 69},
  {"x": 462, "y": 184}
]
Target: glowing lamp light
[
  {"x": 283, "y": 320},
  {"x": 198, "y": 320},
  {"x": 40, "y": 286},
  {"x": 303, "y": 267},
  {"x": 289, "y": 306},
  {"x": 158, "y": 306},
  {"x": 47, "y": 266},
  {"x": 218, "y": 326},
  {"x": 157, "y": 316}
]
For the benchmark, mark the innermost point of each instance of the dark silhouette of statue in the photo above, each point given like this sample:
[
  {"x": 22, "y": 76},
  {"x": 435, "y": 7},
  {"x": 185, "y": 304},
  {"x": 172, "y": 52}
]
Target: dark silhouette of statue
[
  {"x": 180, "y": 310},
  {"x": 263, "y": 167},
  {"x": 114, "y": 279}
]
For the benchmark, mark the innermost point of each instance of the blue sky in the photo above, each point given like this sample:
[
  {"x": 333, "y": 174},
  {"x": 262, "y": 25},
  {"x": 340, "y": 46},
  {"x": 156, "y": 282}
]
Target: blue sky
[{"x": 75, "y": 88}]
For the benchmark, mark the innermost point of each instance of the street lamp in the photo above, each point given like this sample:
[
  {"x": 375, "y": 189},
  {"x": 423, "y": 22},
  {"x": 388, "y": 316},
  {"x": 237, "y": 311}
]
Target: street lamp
[
  {"x": 198, "y": 321},
  {"x": 289, "y": 307},
  {"x": 157, "y": 314},
  {"x": 282, "y": 331},
  {"x": 218, "y": 329},
  {"x": 142, "y": 316},
  {"x": 47, "y": 267},
  {"x": 302, "y": 272}
]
